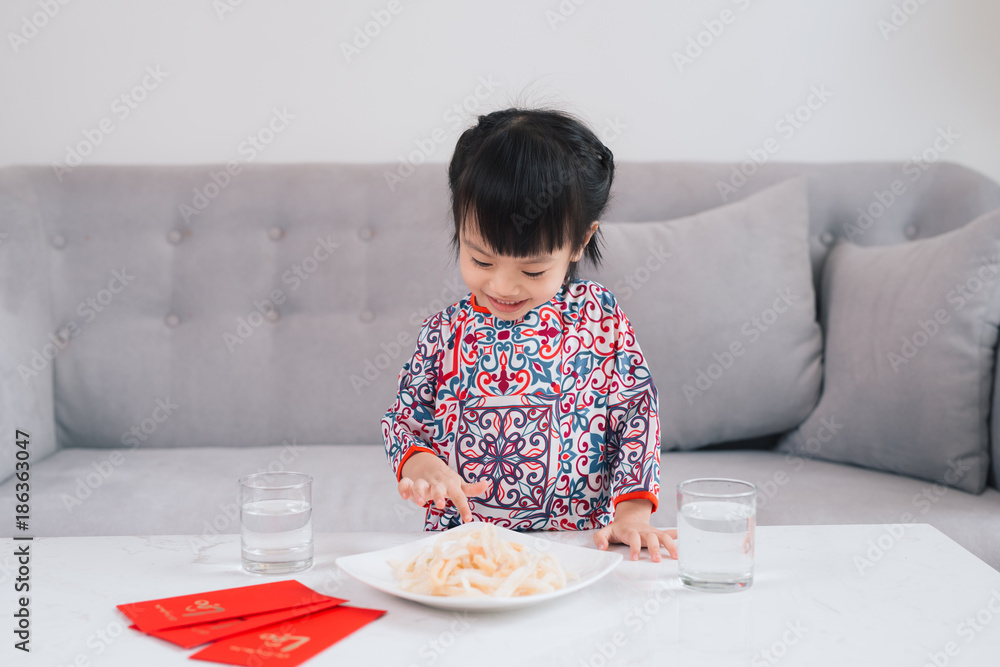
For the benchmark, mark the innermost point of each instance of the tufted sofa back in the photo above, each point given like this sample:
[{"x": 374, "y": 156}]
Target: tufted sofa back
[{"x": 187, "y": 306}]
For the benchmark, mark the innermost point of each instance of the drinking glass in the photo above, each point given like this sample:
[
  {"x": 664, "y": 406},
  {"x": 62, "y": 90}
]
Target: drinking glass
[
  {"x": 715, "y": 533},
  {"x": 276, "y": 532}
]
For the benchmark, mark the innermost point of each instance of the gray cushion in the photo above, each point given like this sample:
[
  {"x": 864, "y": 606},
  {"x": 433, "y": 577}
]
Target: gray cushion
[
  {"x": 716, "y": 299},
  {"x": 910, "y": 335}
]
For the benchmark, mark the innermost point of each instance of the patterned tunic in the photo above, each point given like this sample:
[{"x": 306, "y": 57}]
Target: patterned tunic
[{"x": 557, "y": 409}]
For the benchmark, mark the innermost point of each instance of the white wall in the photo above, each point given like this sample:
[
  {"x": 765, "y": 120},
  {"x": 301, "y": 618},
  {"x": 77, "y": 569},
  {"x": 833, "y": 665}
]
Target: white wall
[{"x": 611, "y": 62}]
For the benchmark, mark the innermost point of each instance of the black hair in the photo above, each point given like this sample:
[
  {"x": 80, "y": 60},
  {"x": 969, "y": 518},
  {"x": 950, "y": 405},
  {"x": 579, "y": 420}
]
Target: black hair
[{"x": 534, "y": 179}]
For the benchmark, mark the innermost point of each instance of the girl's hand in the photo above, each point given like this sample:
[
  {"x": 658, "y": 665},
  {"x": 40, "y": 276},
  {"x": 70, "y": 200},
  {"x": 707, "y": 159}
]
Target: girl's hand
[
  {"x": 425, "y": 478},
  {"x": 631, "y": 526}
]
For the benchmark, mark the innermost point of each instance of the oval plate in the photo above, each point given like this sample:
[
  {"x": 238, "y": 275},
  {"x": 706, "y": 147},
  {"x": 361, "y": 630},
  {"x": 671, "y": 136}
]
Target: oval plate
[{"x": 589, "y": 565}]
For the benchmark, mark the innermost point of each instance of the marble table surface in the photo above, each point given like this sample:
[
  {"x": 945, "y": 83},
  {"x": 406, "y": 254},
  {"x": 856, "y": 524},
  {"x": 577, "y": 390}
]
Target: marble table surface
[{"x": 822, "y": 595}]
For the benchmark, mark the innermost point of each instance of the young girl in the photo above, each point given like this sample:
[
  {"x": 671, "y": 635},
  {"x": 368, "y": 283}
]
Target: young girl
[{"x": 529, "y": 403}]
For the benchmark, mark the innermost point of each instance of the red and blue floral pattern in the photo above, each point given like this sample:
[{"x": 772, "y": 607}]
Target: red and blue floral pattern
[{"x": 556, "y": 409}]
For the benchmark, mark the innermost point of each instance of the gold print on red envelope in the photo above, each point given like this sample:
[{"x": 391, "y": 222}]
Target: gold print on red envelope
[
  {"x": 275, "y": 641},
  {"x": 196, "y": 635},
  {"x": 201, "y": 607},
  {"x": 184, "y": 610},
  {"x": 289, "y": 643}
]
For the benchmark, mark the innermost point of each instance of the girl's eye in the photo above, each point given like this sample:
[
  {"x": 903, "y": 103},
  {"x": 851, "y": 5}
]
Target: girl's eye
[{"x": 483, "y": 265}]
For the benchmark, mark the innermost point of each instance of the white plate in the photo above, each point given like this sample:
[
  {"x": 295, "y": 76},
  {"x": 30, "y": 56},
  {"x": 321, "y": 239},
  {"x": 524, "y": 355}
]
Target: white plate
[{"x": 588, "y": 565}]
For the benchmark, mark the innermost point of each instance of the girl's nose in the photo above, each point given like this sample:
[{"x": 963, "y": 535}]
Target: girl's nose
[{"x": 504, "y": 286}]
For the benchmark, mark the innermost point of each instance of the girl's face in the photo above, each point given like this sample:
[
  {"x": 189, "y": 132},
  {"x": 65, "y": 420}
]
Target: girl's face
[{"x": 511, "y": 286}]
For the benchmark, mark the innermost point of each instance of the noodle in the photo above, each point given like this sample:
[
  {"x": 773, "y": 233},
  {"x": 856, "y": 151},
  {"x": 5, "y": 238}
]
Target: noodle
[{"x": 478, "y": 563}]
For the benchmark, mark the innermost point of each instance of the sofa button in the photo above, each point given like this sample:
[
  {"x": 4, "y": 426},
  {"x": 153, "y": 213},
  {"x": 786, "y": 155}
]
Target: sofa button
[
  {"x": 366, "y": 233},
  {"x": 63, "y": 335},
  {"x": 910, "y": 231},
  {"x": 271, "y": 315},
  {"x": 275, "y": 233},
  {"x": 59, "y": 241},
  {"x": 826, "y": 238},
  {"x": 367, "y": 316},
  {"x": 174, "y": 236},
  {"x": 172, "y": 320}
]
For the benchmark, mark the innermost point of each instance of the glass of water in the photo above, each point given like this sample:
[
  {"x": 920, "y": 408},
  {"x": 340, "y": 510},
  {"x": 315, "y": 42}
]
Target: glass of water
[
  {"x": 276, "y": 522},
  {"x": 715, "y": 533}
]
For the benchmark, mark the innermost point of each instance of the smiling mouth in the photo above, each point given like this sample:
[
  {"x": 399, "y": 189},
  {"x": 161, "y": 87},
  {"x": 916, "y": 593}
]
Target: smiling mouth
[{"x": 506, "y": 306}]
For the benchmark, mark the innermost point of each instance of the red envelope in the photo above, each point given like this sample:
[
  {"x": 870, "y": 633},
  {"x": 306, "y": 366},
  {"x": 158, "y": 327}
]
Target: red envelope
[
  {"x": 196, "y": 635},
  {"x": 289, "y": 643},
  {"x": 176, "y": 612}
]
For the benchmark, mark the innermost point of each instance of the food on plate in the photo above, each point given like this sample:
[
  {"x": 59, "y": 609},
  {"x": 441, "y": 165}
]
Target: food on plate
[{"x": 477, "y": 562}]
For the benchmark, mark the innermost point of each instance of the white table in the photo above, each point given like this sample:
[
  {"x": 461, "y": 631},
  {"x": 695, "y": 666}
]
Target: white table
[{"x": 916, "y": 594}]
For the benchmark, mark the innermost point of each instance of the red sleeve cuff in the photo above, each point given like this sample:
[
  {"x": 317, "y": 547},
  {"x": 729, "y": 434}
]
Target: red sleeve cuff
[
  {"x": 635, "y": 495},
  {"x": 410, "y": 452}
]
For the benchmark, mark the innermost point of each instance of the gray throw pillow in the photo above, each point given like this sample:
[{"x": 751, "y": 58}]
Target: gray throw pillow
[
  {"x": 910, "y": 331},
  {"x": 723, "y": 308}
]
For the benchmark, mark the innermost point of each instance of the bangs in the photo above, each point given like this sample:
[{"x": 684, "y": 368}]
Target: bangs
[{"x": 519, "y": 195}]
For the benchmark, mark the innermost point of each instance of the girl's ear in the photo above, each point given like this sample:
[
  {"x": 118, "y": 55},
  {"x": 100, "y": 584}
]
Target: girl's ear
[
  {"x": 590, "y": 233},
  {"x": 579, "y": 253}
]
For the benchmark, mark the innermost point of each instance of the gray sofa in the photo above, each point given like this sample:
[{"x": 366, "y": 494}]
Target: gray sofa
[{"x": 167, "y": 329}]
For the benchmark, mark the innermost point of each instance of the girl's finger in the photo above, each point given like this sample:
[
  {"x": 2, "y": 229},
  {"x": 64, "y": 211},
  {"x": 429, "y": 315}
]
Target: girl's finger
[
  {"x": 669, "y": 543},
  {"x": 421, "y": 488},
  {"x": 634, "y": 544},
  {"x": 476, "y": 488},
  {"x": 462, "y": 505},
  {"x": 653, "y": 544},
  {"x": 601, "y": 539},
  {"x": 439, "y": 494},
  {"x": 405, "y": 487}
]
